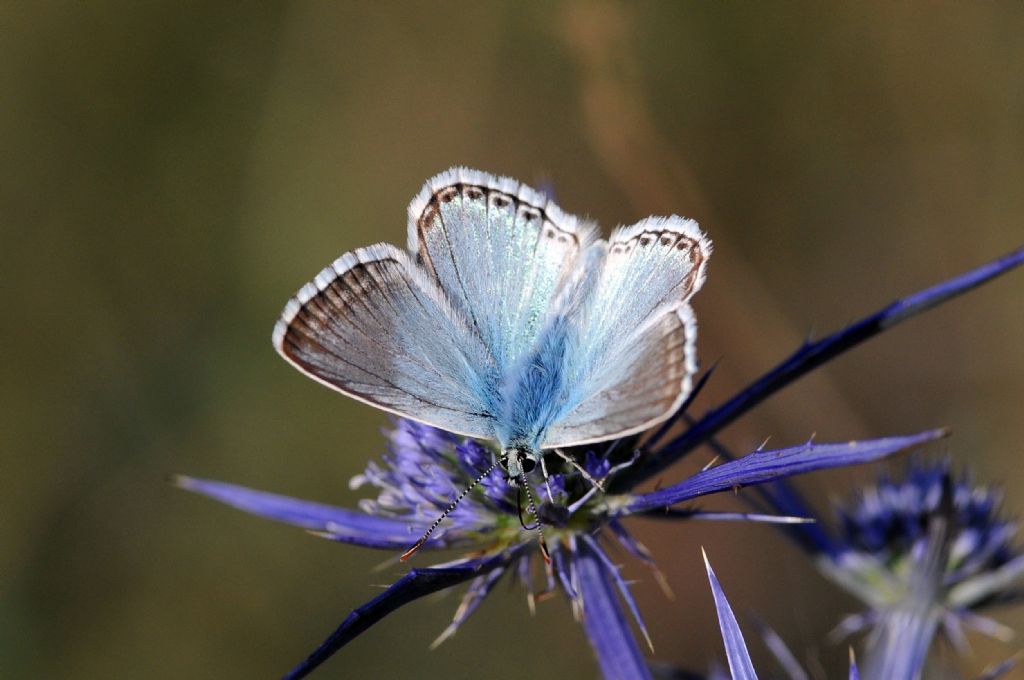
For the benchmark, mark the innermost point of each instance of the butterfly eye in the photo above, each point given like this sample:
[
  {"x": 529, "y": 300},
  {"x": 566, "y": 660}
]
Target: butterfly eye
[
  {"x": 528, "y": 465},
  {"x": 503, "y": 461}
]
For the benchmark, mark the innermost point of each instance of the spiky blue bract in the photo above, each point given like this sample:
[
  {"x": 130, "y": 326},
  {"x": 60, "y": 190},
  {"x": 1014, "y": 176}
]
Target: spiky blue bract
[
  {"x": 740, "y": 665},
  {"x": 606, "y": 625},
  {"x": 1000, "y": 669},
  {"x": 808, "y": 357},
  {"x": 854, "y": 670},
  {"x": 412, "y": 586},
  {"x": 735, "y": 647},
  {"x": 347, "y": 526},
  {"x": 765, "y": 466}
]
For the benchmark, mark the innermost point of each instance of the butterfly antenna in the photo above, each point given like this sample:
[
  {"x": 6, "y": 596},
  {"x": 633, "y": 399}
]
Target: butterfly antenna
[
  {"x": 409, "y": 553},
  {"x": 532, "y": 508}
]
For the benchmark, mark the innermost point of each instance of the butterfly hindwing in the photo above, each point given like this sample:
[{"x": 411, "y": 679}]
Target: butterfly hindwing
[
  {"x": 499, "y": 250},
  {"x": 643, "y": 384},
  {"x": 635, "y": 354},
  {"x": 374, "y": 326}
]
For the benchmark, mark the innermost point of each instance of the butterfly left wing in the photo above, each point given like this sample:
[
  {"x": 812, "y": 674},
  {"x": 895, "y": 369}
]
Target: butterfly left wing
[
  {"x": 500, "y": 250},
  {"x": 635, "y": 353},
  {"x": 374, "y": 326}
]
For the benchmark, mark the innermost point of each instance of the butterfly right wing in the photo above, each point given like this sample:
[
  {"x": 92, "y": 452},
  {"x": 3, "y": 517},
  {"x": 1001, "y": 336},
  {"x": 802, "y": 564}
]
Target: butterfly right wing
[
  {"x": 636, "y": 351},
  {"x": 374, "y": 326}
]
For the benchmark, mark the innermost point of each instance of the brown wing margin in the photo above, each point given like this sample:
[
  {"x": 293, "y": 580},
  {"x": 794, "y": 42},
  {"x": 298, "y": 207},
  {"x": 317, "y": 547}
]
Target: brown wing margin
[{"x": 373, "y": 326}]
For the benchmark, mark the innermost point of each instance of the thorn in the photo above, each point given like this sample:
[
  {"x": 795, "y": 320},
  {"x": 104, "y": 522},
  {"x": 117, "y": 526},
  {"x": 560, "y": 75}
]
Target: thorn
[
  {"x": 445, "y": 634},
  {"x": 710, "y": 463},
  {"x": 386, "y": 564},
  {"x": 662, "y": 581},
  {"x": 319, "y": 534}
]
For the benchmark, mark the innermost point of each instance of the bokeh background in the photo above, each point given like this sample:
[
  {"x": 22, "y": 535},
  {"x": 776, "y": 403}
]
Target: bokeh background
[{"x": 172, "y": 172}]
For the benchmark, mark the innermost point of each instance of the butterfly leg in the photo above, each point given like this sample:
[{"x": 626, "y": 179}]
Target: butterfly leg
[
  {"x": 568, "y": 459},
  {"x": 544, "y": 470}
]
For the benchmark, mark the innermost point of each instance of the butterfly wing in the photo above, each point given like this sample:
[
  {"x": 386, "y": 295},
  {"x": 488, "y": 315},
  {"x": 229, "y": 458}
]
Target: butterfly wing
[
  {"x": 635, "y": 356},
  {"x": 374, "y": 326},
  {"x": 499, "y": 250}
]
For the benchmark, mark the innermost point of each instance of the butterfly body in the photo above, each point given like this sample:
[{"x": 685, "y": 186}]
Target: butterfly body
[{"x": 507, "y": 319}]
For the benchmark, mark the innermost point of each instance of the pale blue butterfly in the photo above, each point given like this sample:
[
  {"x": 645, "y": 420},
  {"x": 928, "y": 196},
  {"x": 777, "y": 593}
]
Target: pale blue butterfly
[{"x": 508, "y": 320}]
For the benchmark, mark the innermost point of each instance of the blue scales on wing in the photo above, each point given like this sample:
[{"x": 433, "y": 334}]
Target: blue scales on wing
[
  {"x": 500, "y": 250},
  {"x": 592, "y": 339},
  {"x": 507, "y": 319},
  {"x": 635, "y": 355}
]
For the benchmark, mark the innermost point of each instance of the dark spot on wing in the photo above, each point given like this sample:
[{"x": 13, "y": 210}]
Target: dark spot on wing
[{"x": 429, "y": 213}]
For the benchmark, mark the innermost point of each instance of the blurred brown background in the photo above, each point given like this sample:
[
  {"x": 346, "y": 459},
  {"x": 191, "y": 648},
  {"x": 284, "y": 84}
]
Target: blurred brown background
[{"x": 172, "y": 172}]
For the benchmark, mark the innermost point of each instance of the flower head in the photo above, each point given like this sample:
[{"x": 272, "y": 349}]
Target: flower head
[
  {"x": 887, "y": 523},
  {"x": 925, "y": 553},
  {"x": 426, "y": 469}
]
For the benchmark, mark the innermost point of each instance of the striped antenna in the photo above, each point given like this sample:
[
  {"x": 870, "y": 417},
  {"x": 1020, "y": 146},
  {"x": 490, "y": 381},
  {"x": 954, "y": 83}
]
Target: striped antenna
[{"x": 409, "y": 553}]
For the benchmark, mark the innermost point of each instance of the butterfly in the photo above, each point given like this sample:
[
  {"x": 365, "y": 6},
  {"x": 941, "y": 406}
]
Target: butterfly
[{"x": 507, "y": 319}]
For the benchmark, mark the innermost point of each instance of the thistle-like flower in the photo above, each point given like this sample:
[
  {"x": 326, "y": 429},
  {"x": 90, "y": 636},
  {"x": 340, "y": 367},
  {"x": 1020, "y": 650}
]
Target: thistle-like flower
[
  {"x": 427, "y": 469},
  {"x": 925, "y": 554}
]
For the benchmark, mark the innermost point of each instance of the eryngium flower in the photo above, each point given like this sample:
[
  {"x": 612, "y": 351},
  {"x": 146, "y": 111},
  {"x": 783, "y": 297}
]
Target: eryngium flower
[
  {"x": 427, "y": 468},
  {"x": 925, "y": 553}
]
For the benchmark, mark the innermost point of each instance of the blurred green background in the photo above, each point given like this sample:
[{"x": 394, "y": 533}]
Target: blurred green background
[{"x": 173, "y": 171}]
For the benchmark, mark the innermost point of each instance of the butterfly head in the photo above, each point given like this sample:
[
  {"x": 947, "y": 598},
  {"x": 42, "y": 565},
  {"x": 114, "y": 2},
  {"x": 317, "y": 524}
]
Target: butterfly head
[{"x": 518, "y": 461}]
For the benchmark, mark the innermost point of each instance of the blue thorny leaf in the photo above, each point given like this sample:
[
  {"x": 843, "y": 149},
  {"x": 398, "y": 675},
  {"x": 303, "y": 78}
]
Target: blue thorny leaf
[
  {"x": 426, "y": 468},
  {"x": 742, "y": 668}
]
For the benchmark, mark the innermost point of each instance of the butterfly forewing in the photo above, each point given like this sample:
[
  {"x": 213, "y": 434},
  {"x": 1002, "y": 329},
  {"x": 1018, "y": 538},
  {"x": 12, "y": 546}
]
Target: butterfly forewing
[
  {"x": 499, "y": 250},
  {"x": 375, "y": 327},
  {"x": 650, "y": 268}
]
